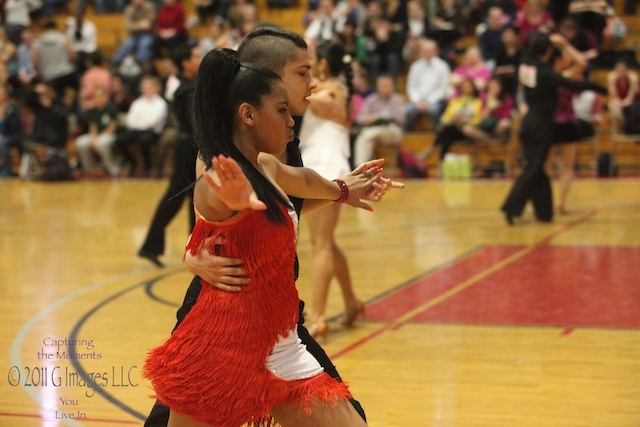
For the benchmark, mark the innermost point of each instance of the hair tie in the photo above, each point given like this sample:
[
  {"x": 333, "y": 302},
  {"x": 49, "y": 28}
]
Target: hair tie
[{"x": 346, "y": 59}]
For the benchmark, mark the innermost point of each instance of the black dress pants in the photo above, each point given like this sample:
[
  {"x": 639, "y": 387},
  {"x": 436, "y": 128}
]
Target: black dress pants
[
  {"x": 183, "y": 176},
  {"x": 446, "y": 137},
  {"x": 129, "y": 140},
  {"x": 159, "y": 416},
  {"x": 533, "y": 184}
]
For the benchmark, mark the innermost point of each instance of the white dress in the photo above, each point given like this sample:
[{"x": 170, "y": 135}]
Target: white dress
[{"x": 324, "y": 146}]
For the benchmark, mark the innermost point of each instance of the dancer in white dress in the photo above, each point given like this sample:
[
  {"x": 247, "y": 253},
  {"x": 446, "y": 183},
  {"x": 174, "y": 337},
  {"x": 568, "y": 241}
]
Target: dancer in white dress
[{"x": 324, "y": 146}]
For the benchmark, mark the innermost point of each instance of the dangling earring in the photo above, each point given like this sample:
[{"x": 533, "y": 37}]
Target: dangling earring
[{"x": 322, "y": 76}]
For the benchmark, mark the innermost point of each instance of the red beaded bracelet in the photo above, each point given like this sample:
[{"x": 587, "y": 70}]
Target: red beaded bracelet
[{"x": 344, "y": 191}]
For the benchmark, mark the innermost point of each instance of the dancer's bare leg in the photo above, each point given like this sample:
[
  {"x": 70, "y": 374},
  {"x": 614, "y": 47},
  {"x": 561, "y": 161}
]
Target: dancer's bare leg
[
  {"x": 341, "y": 415},
  {"x": 474, "y": 133},
  {"x": 568, "y": 152},
  {"x": 352, "y": 305},
  {"x": 322, "y": 224}
]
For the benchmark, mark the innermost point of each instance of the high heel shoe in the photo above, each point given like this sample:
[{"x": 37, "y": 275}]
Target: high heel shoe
[
  {"x": 319, "y": 329},
  {"x": 353, "y": 310}
]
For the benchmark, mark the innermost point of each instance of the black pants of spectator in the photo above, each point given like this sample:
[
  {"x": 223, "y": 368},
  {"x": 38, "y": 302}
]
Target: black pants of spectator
[
  {"x": 183, "y": 177},
  {"x": 130, "y": 140},
  {"x": 206, "y": 11},
  {"x": 592, "y": 21},
  {"x": 446, "y": 137},
  {"x": 159, "y": 416},
  {"x": 533, "y": 184},
  {"x": 71, "y": 81},
  {"x": 630, "y": 7},
  {"x": 162, "y": 48}
]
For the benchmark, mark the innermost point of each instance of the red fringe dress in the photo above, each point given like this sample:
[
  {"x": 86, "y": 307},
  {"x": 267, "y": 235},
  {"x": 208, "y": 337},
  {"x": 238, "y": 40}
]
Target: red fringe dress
[{"x": 213, "y": 368}]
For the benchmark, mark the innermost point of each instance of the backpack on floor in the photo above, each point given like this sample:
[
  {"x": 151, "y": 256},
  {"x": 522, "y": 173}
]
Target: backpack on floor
[
  {"x": 56, "y": 166},
  {"x": 411, "y": 165}
]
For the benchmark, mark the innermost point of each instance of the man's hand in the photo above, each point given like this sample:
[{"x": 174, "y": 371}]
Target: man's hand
[{"x": 225, "y": 274}]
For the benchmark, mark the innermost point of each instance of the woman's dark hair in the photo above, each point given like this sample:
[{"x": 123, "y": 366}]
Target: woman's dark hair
[
  {"x": 469, "y": 80},
  {"x": 502, "y": 95},
  {"x": 338, "y": 61},
  {"x": 221, "y": 86},
  {"x": 95, "y": 58},
  {"x": 539, "y": 44}
]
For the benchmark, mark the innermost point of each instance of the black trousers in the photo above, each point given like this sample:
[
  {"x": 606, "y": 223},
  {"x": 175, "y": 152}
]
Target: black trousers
[
  {"x": 533, "y": 184},
  {"x": 159, "y": 416},
  {"x": 183, "y": 176},
  {"x": 129, "y": 140},
  {"x": 446, "y": 137}
]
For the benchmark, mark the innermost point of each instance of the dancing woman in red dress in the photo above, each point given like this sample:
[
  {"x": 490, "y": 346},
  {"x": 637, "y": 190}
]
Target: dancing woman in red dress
[{"x": 236, "y": 358}]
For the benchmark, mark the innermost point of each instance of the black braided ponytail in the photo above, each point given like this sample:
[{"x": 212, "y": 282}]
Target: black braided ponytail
[{"x": 339, "y": 63}]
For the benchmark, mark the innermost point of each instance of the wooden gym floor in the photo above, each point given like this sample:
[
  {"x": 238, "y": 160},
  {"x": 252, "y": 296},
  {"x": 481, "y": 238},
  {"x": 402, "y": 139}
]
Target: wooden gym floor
[{"x": 469, "y": 322}]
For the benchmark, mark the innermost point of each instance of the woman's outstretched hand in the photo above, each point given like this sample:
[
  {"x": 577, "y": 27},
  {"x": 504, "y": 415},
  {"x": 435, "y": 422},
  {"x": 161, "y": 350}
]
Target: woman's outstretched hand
[
  {"x": 366, "y": 183},
  {"x": 231, "y": 185}
]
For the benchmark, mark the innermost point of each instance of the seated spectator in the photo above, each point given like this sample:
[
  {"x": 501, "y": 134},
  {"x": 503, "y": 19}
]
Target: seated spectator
[
  {"x": 497, "y": 106},
  {"x": 10, "y": 131},
  {"x": 104, "y": 6},
  {"x": 417, "y": 27},
  {"x": 508, "y": 59},
  {"x": 472, "y": 67},
  {"x": 121, "y": 97},
  {"x": 102, "y": 120},
  {"x": 170, "y": 28},
  {"x": 325, "y": 22},
  {"x": 26, "y": 70},
  {"x": 590, "y": 15},
  {"x": 139, "y": 18},
  {"x": 219, "y": 36},
  {"x": 463, "y": 110},
  {"x": 204, "y": 9},
  {"x": 581, "y": 39},
  {"x": 54, "y": 59},
  {"x": 533, "y": 17},
  {"x": 84, "y": 38},
  {"x": 384, "y": 49},
  {"x": 352, "y": 42},
  {"x": 96, "y": 76},
  {"x": 50, "y": 123},
  {"x": 382, "y": 118},
  {"x": 8, "y": 53},
  {"x": 559, "y": 9},
  {"x": 490, "y": 39},
  {"x": 354, "y": 11},
  {"x": 144, "y": 123},
  {"x": 250, "y": 19},
  {"x": 509, "y": 10},
  {"x": 427, "y": 84},
  {"x": 235, "y": 12},
  {"x": 396, "y": 12},
  {"x": 361, "y": 89},
  {"x": 623, "y": 94},
  {"x": 17, "y": 17},
  {"x": 449, "y": 22}
]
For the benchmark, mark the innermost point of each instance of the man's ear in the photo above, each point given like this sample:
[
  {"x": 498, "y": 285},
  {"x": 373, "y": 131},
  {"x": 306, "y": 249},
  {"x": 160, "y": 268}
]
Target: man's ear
[{"x": 246, "y": 114}]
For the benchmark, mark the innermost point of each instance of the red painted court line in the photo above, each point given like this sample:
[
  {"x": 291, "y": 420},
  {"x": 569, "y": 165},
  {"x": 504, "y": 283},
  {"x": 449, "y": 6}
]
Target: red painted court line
[
  {"x": 399, "y": 303},
  {"x": 402, "y": 312},
  {"x": 92, "y": 420},
  {"x": 551, "y": 286}
]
